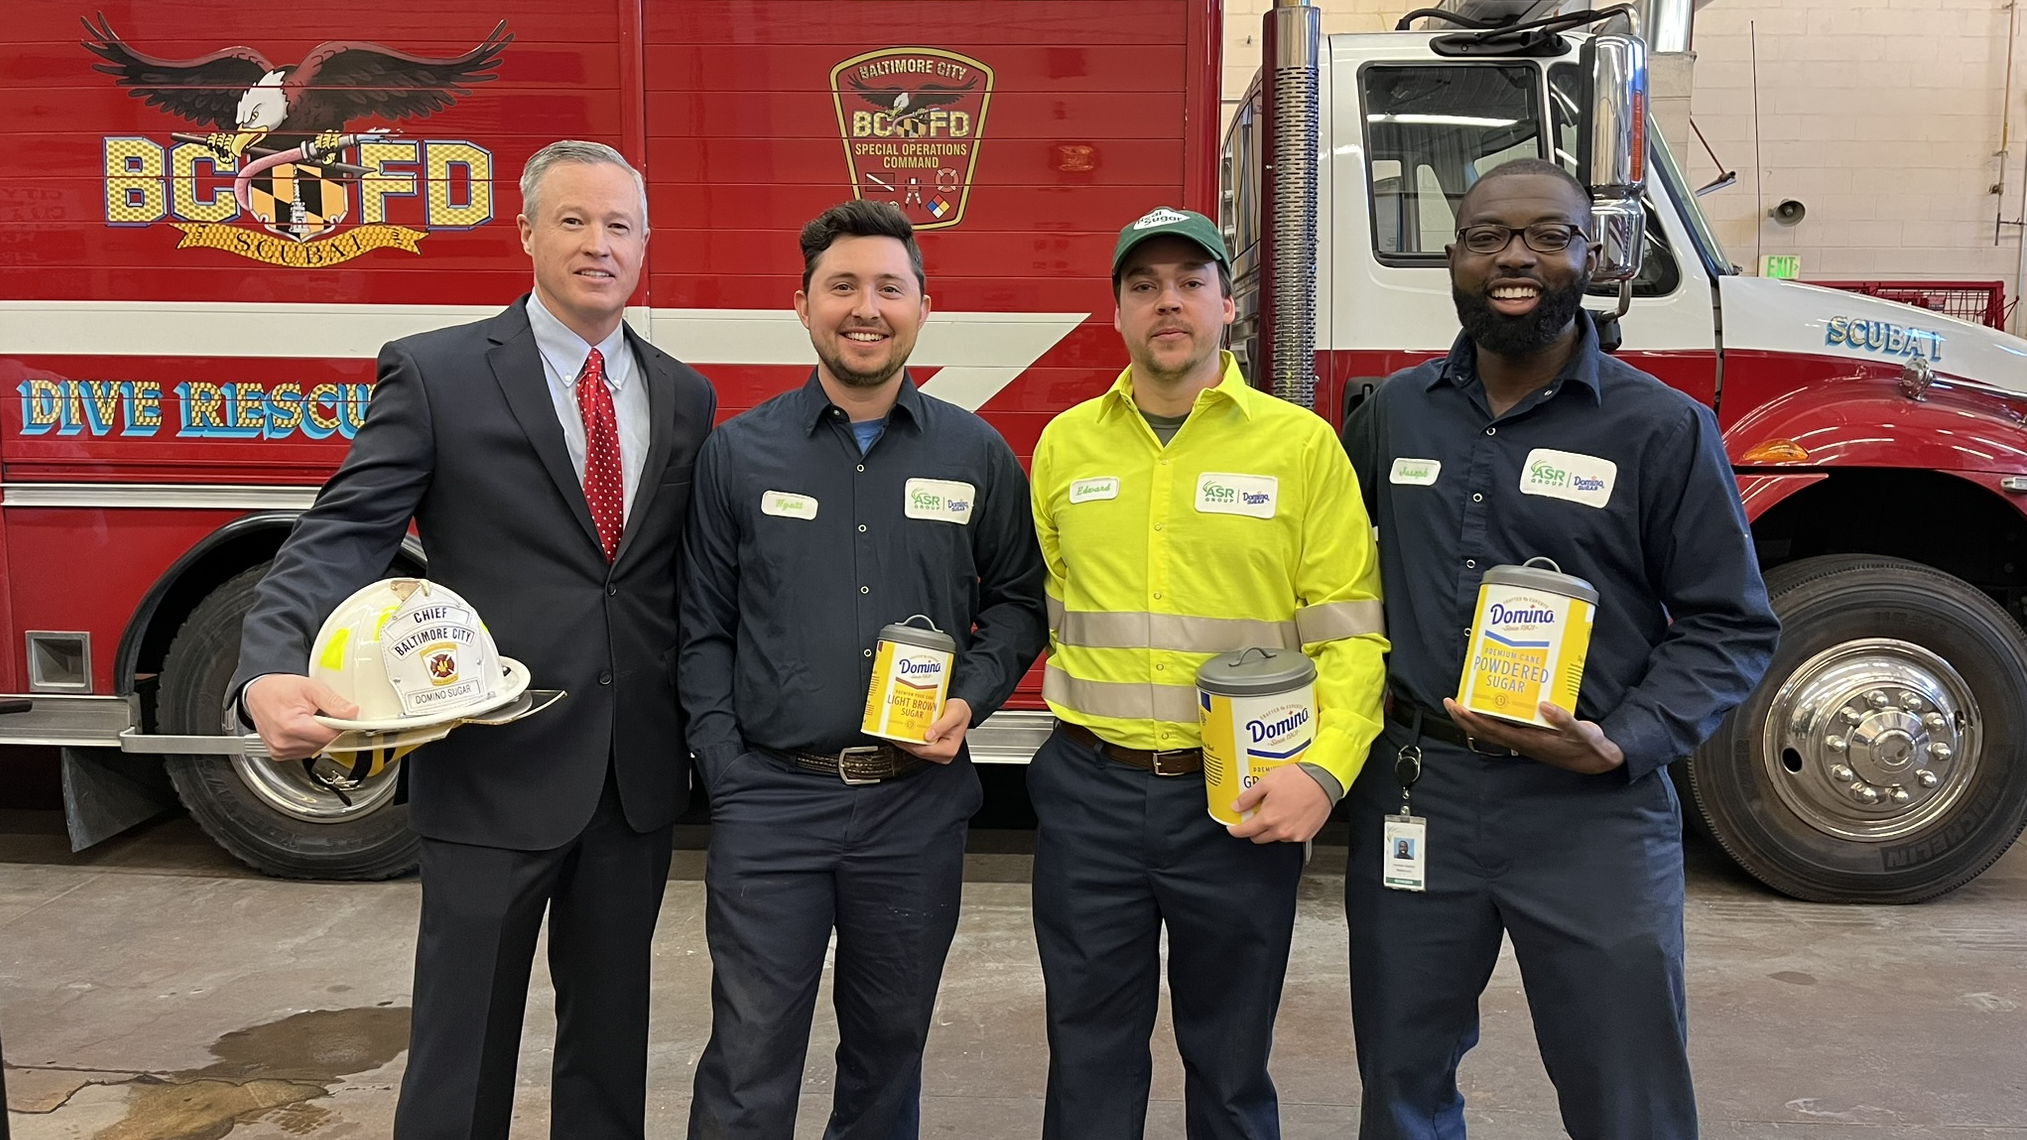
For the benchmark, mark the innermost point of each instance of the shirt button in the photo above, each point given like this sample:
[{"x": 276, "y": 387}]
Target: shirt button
[
  {"x": 862, "y": 528},
  {"x": 1164, "y": 463},
  {"x": 1157, "y": 526},
  {"x": 612, "y": 591},
  {"x": 865, "y": 589},
  {"x": 1474, "y": 498},
  {"x": 1471, "y": 563},
  {"x": 1488, "y": 431},
  {"x": 1159, "y": 668},
  {"x": 869, "y": 653},
  {"x": 605, "y": 677},
  {"x": 862, "y": 467},
  {"x": 1157, "y": 594}
]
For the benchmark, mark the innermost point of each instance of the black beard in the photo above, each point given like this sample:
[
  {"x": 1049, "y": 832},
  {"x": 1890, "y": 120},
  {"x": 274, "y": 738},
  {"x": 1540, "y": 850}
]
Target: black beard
[
  {"x": 1519, "y": 337},
  {"x": 852, "y": 378}
]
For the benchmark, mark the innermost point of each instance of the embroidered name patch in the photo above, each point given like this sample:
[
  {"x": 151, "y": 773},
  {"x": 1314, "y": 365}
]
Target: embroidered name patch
[
  {"x": 1085, "y": 490},
  {"x": 1219, "y": 493},
  {"x": 787, "y": 505},
  {"x": 945, "y": 500},
  {"x": 1568, "y": 475},
  {"x": 1416, "y": 472}
]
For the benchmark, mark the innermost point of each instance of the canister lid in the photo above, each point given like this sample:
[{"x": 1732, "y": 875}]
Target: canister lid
[
  {"x": 926, "y": 635},
  {"x": 1255, "y": 672},
  {"x": 1543, "y": 574}
]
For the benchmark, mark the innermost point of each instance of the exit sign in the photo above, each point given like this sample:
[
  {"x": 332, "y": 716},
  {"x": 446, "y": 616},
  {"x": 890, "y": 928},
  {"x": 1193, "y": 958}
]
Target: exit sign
[{"x": 1786, "y": 266}]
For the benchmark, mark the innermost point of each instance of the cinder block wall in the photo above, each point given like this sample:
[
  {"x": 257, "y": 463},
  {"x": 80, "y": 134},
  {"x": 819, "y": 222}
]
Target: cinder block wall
[{"x": 1883, "y": 117}]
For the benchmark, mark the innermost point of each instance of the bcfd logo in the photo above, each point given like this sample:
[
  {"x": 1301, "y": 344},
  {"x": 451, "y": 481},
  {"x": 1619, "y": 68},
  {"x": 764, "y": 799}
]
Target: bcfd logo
[
  {"x": 912, "y": 121},
  {"x": 443, "y": 667},
  {"x": 281, "y": 153}
]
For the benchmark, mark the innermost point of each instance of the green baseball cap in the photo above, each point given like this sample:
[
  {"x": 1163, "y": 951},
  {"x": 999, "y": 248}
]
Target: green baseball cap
[{"x": 1166, "y": 221}]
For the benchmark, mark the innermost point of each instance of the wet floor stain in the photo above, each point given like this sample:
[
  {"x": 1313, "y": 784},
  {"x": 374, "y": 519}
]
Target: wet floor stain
[
  {"x": 269, "y": 1072},
  {"x": 1794, "y": 978}
]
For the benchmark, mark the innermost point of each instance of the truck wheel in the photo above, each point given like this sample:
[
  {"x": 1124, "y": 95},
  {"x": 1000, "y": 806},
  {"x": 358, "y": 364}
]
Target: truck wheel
[
  {"x": 273, "y": 817},
  {"x": 1884, "y": 757}
]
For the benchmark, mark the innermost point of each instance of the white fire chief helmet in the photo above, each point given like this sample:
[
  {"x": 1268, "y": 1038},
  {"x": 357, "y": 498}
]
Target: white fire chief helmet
[{"x": 411, "y": 653}]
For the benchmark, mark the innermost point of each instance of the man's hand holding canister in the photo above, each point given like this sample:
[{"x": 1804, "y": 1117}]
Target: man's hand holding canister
[
  {"x": 945, "y": 737},
  {"x": 1579, "y": 746},
  {"x": 1288, "y": 806}
]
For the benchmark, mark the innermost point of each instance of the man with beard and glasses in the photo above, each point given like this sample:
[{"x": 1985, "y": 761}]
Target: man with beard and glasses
[
  {"x": 821, "y": 516},
  {"x": 1526, "y": 441},
  {"x": 1183, "y": 514}
]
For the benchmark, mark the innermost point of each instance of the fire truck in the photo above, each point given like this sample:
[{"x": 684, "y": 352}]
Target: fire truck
[{"x": 215, "y": 215}]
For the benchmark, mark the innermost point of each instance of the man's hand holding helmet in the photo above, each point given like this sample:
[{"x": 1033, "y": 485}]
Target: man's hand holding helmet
[{"x": 282, "y": 707}]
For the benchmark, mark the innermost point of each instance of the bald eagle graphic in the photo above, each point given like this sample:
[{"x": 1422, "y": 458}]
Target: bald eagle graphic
[
  {"x": 284, "y": 124},
  {"x": 240, "y": 90}
]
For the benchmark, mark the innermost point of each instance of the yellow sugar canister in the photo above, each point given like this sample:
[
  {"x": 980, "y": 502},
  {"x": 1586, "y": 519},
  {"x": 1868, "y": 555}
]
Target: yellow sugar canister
[
  {"x": 1528, "y": 642},
  {"x": 1258, "y": 712},
  {"x": 911, "y": 675}
]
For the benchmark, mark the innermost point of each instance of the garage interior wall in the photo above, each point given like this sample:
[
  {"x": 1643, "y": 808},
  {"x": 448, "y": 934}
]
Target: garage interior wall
[{"x": 1882, "y": 117}]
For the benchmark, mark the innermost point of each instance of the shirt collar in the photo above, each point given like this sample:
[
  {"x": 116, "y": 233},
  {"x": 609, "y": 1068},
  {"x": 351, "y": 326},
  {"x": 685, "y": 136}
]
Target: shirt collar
[
  {"x": 1461, "y": 366},
  {"x": 813, "y": 403},
  {"x": 1231, "y": 388},
  {"x": 566, "y": 352}
]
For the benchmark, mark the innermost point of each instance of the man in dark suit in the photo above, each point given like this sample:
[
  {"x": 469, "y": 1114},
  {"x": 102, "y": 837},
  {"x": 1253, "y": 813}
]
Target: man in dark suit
[{"x": 545, "y": 456}]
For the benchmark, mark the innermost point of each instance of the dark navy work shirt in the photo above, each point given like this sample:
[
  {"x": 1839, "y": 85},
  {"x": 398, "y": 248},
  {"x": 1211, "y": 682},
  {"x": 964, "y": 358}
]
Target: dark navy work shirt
[
  {"x": 1621, "y": 480},
  {"x": 800, "y": 548}
]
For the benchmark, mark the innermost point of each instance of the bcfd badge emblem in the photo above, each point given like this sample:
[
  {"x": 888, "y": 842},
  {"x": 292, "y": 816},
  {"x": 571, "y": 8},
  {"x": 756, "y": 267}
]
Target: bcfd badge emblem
[
  {"x": 913, "y": 119},
  {"x": 279, "y": 152}
]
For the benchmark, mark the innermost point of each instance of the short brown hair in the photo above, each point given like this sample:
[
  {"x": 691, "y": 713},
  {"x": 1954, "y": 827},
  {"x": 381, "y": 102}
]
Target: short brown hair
[{"x": 859, "y": 218}]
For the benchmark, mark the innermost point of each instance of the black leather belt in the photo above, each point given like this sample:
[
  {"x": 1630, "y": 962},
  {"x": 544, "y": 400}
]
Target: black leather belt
[
  {"x": 1437, "y": 726},
  {"x": 866, "y": 764},
  {"x": 1173, "y": 762}
]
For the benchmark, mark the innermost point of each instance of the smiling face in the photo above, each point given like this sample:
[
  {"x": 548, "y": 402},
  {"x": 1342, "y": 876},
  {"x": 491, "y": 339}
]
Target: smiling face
[
  {"x": 863, "y": 309},
  {"x": 587, "y": 245},
  {"x": 1517, "y": 302}
]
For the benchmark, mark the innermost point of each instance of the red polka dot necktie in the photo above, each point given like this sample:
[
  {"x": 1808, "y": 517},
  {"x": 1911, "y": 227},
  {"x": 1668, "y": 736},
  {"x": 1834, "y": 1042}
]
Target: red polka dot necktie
[{"x": 604, "y": 482}]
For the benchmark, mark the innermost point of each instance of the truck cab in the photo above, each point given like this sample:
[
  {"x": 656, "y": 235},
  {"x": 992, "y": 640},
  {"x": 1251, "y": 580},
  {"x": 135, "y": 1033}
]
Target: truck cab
[{"x": 1881, "y": 759}]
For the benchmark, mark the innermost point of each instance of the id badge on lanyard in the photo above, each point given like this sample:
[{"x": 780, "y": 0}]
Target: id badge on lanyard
[{"x": 1403, "y": 861}]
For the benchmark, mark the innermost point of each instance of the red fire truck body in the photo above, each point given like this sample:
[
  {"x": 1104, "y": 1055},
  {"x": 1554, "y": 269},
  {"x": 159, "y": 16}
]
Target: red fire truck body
[{"x": 215, "y": 215}]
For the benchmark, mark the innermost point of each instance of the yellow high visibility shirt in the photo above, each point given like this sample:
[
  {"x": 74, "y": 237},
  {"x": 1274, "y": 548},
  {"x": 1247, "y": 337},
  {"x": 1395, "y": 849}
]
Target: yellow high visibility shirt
[{"x": 1247, "y": 529}]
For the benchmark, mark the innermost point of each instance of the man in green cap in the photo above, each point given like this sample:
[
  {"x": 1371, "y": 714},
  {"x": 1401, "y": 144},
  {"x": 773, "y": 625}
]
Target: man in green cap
[{"x": 1184, "y": 514}]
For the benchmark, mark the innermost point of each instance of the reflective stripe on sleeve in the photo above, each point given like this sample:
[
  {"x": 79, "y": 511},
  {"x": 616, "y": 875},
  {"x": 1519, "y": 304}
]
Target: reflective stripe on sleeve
[{"x": 1334, "y": 621}]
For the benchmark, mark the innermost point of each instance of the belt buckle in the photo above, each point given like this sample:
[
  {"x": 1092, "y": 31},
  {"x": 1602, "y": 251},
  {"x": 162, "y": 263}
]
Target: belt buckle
[
  {"x": 1155, "y": 762},
  {"x": 844, "y": 771},
  {"x": 1471, "y": 745}
]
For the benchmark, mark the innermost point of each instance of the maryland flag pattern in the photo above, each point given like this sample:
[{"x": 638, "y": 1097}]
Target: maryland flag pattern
[{"x": 297, "y": 200}]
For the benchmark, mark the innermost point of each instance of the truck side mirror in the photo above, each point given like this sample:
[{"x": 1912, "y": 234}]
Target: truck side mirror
[{"x": 1612, "y": 150}]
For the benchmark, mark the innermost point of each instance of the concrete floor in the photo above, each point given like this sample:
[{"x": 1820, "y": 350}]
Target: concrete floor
[{"x": 152, "y": 989}]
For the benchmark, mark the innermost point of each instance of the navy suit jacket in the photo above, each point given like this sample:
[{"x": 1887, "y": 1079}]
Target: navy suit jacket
[{"x": 462, "y": 437}]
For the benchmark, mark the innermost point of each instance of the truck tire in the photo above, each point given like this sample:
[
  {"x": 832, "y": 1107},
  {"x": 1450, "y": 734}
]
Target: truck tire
[
  {"x": 272, "y": 816},
  {"x": 1884, "y": 757}
]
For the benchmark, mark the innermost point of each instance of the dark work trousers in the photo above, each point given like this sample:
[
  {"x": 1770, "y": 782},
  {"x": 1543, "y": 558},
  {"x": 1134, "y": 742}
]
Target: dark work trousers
[
  {"x": 1118, "y": 853},
  {"x": 481, "y": 910},
  {"x": 795, "y": 855},
  {"x": 1584, "y": 873}
]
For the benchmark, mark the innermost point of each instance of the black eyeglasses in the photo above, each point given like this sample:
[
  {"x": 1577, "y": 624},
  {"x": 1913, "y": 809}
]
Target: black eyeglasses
[{"x": 1542, "y": 237}]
